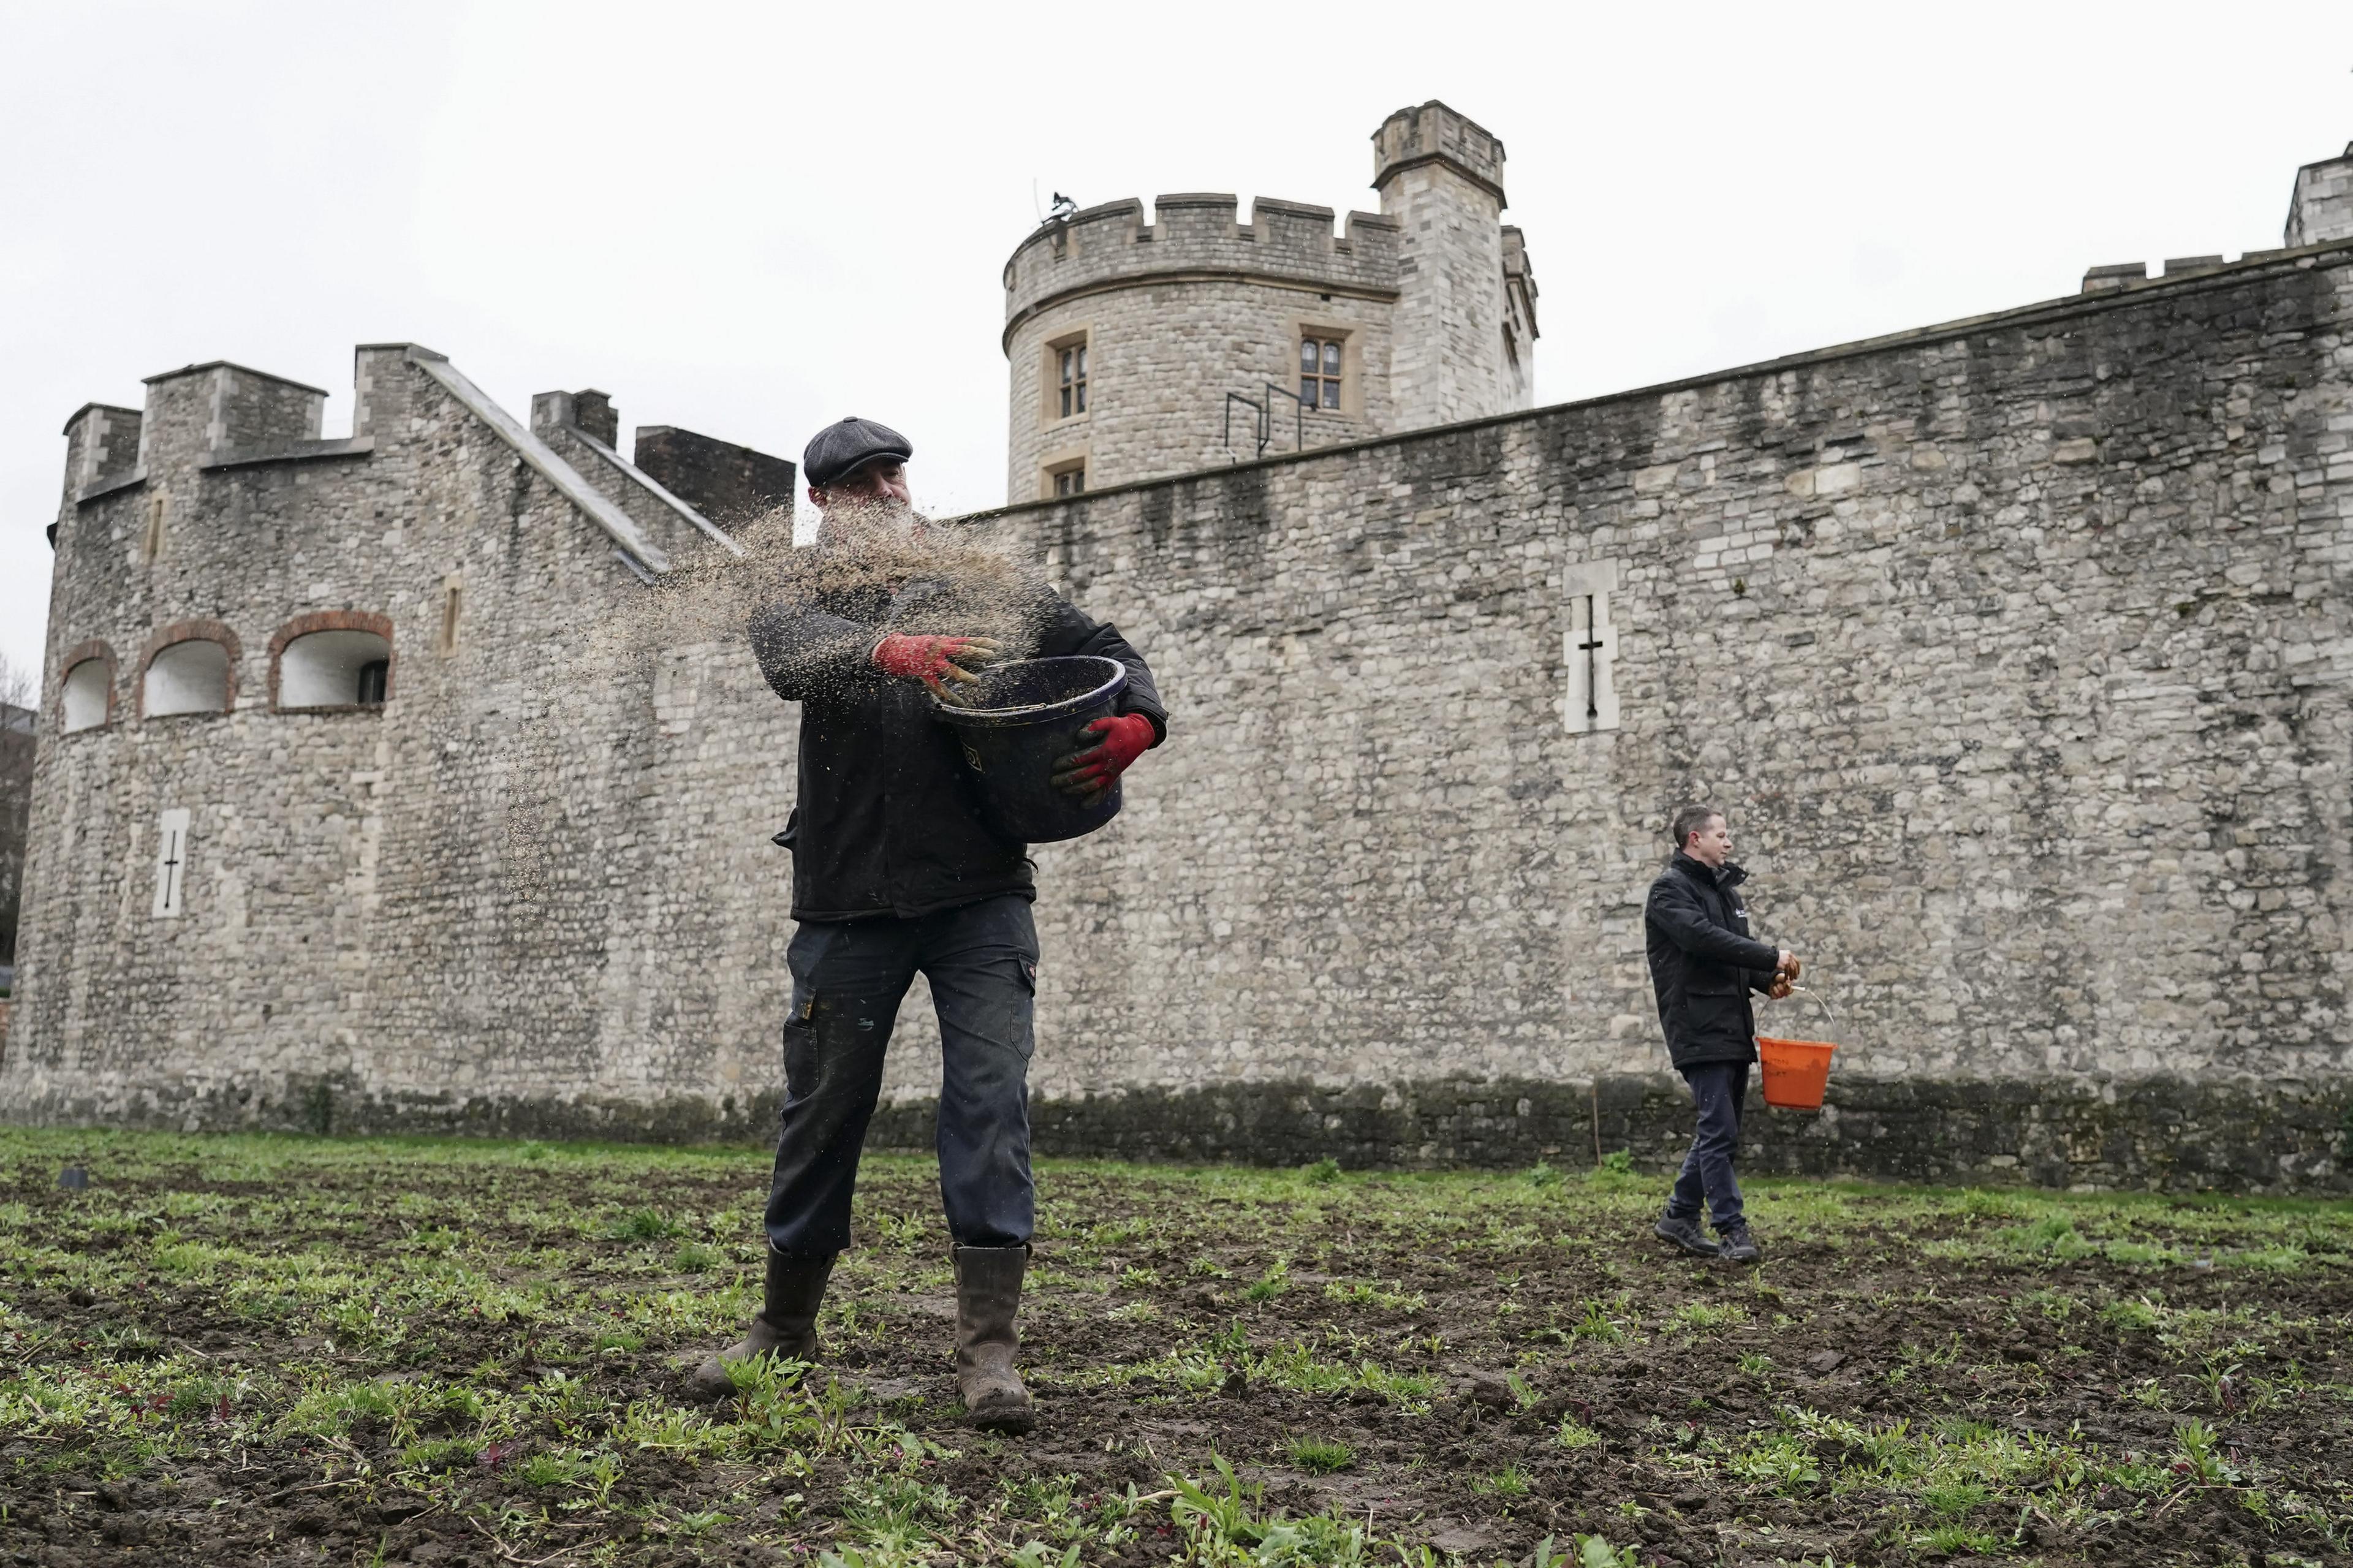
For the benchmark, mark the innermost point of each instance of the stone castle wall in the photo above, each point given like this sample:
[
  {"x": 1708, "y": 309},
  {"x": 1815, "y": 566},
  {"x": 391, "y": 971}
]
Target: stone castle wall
[
  {"x": 729, "y": 484},
  {"x": 2017, "y": 653},
  {"x": 495, "y": 889}
]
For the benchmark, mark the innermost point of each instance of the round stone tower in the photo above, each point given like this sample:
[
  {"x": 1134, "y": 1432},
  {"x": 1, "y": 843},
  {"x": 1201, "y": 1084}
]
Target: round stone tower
[{"x": 1142, "y": 349}]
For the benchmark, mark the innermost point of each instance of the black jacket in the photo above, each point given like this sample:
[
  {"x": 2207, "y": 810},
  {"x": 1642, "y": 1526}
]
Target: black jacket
[
  {"x": 1704, "y": 963},
  {"x": 887, "y": 823}
]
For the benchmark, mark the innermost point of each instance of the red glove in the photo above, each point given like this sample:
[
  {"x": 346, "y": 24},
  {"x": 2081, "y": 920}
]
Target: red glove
[
  {"x": 1092, "y": 773},
  {"x": 932, "y": 659}
]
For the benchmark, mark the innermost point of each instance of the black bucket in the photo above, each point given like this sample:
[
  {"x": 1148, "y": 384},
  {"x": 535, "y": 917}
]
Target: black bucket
[{"x": 1027, "y": 716}]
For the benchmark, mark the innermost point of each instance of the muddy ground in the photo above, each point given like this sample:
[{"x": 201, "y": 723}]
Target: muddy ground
[{"x": 277, "y": 1350}]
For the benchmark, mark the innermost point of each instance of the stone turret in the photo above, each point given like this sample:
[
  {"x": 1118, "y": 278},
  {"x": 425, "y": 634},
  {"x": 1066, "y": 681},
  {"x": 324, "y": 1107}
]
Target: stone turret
[
  {"x": 2322, "y": 209},
  {"x": 1125, "y": 337},
  {"x": 1440, "y": 177},
  {"x": 1197, "y": 339}
]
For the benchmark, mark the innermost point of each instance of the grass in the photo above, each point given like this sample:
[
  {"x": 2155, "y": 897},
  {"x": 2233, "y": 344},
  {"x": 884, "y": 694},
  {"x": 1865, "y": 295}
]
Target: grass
[
  {"x": 1320, "y": 1456},
  {"x": 388, "y": 1342}
]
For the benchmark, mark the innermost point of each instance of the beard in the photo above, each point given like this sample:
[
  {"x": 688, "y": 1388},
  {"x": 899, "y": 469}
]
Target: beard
[{"x": 870, "y": 520}]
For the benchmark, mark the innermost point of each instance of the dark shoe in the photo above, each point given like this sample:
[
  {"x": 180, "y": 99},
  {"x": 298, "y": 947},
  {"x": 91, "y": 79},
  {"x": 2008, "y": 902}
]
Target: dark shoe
[
  {"x": 988, "y": 1294},
  {"x": 1685, "y": 1234},
  {"x": 785, "y": 1327},
  {"x": 1739, "y": 1247}
]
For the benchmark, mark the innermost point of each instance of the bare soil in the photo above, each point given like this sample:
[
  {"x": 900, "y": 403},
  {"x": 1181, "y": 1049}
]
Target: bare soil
[{"x": 296, "y": 1350}]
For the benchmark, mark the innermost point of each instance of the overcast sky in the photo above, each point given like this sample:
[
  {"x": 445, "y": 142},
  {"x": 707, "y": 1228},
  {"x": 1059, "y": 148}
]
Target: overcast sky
[{"x": 749, "y": 220}]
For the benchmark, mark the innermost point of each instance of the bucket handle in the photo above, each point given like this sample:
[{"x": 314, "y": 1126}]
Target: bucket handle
[{"x": 1818, "y": 999}]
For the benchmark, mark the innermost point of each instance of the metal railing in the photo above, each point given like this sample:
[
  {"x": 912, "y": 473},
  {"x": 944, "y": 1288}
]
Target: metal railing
[{"x": 1264, "y": 414}]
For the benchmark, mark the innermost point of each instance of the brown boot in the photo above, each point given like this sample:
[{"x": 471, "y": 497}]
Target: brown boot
[
  {"x": 785, "y": 1326},
  {"x": 988, "y": 1293}
]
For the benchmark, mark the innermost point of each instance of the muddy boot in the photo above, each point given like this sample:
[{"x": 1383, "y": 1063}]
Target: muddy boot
[
  {"x": 988, "y": 1293},
  {"x": 1739, "y": 1247},
  {"x": 1685, "y": 1234},
  {"x": 785, "y": 1326}
]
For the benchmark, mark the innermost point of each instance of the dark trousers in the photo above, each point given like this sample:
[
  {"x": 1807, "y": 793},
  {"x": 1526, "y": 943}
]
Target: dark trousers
[
  {"x": 1719, "y": 1091},
  {"x": 848, "y": 978}
]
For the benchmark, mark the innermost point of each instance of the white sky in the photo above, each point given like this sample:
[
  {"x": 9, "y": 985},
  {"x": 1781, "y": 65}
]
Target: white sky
[{"x": 749, "y": 220}]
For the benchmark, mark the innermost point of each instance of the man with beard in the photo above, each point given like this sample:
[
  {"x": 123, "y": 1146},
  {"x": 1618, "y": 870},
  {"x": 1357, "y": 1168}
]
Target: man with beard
[{"x": 895, "y": 874}]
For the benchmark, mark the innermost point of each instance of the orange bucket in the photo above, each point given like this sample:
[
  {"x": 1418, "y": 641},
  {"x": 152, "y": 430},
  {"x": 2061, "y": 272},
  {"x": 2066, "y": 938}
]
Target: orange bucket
[{"x": 1795, "y": 1072}]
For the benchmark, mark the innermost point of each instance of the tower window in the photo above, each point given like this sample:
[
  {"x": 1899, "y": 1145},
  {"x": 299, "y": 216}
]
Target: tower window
[
  {"x": 1319, "y": 372},
  {"x": 1071, "y": 481},
  {"x": 1064, "y": 376}
]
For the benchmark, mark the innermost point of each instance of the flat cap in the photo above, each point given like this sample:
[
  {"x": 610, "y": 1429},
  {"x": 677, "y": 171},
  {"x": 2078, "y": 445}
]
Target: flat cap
[{"x": 839, "y": 448}]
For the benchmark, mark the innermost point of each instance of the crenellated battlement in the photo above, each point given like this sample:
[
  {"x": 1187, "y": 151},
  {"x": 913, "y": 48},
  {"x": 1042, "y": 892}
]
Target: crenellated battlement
[
  {"x": 102, "y": 448},
  {"x": 1199, "y": 235},
  {"x": 1138, "y": 347},
  {"x": 199, "y": 411},
  {"x": 1433, "y": 133},
  {"x": 211, "y": 432}
]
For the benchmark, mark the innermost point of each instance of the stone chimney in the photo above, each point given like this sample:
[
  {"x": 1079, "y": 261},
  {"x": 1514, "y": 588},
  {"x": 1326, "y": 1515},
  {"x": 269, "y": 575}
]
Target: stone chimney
[
  {"x": 590, "y": 411},
  {"x": 593, "y": 412}
]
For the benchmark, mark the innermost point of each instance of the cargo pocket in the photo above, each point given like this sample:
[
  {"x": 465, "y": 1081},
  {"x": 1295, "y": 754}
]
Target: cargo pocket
[
  {"x": 1021, "y": 1025},
  {"x": 800, "y": 1050}
]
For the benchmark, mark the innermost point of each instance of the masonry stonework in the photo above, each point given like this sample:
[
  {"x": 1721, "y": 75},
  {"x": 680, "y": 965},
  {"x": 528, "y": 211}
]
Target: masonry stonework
[
  {"x": 491, "y": 889},
  {"x": 2322, "y": 209},
  {"x": 1441, "y": 181},
  {"x": 2018, "y": 650}
]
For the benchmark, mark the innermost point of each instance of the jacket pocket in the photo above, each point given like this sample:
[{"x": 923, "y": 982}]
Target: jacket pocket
[{"x": 1714, "y": 1021}]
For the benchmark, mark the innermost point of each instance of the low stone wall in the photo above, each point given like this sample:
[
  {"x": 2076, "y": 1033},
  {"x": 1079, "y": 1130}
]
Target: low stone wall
[
  {"x": 2157, "y": 1132},
  {"x": 2154, "y": 1132}
]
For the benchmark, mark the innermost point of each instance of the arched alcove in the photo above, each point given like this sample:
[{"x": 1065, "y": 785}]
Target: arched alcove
[
  {"x": 87, "y": 686},
  {"x": 86, "y": 695},
  {"x": 334, "y": 669},
  {"x": 190, "y": 676},
  {"x": 331, "y": 659}
]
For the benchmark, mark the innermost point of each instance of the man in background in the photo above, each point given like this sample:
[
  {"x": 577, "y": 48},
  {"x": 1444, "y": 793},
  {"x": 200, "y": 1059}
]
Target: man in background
[{"x": 1704, "y": 965}]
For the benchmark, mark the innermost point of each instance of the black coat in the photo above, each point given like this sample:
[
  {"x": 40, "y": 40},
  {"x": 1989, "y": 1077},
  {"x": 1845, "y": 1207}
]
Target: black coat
[
  {"x": 887, "y": 822},
  {"x": 1704, "y": 963}
]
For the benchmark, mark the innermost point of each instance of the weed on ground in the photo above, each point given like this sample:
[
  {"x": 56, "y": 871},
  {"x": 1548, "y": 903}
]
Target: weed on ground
[{"x": 231, "y": 1350}]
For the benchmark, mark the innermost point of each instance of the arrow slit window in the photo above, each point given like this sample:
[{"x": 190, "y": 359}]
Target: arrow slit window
[
  {"x": 171, "y": 862},
  {"x": 1591, "y": 651}
]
